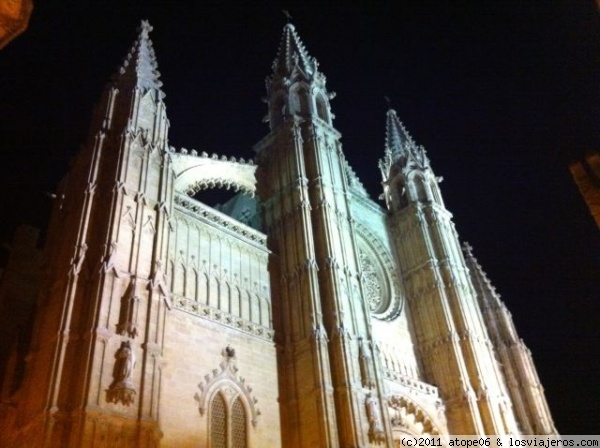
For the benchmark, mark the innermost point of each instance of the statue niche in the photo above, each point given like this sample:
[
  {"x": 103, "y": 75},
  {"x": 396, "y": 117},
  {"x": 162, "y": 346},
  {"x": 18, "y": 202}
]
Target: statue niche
[{"x": 127, "y": 325}]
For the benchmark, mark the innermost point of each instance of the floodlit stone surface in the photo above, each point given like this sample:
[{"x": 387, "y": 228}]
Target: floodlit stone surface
[{"x": 301, "y": 315}]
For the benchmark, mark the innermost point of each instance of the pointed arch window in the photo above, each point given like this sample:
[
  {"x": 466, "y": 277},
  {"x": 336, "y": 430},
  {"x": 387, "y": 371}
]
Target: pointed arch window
[
  {"x": 238, "y": 425},
  {"x": 322, "y": 109},
  {"x": 228, "y": 424},
  {"x": 230, "y": 405},
  {"x": 278, "y": 111},
  {"x": 218, "y": 423},
  {"x": 300, "y": 103}
]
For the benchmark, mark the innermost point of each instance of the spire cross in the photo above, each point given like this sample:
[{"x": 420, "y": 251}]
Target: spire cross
[
  {"x": 388, "y": 101},
  {"x": 287, "y": 15},
  {"x": 145, "y": 28}
]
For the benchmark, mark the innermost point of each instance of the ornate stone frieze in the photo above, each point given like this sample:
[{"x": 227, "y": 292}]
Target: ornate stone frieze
[
  {"x": 208, "y": 214},
  {"x": 194, "y": 172},
  {"x": 216, "y": 315},
  {"x": 413, "y": 384},
  {"x": 408, "y": 415}
]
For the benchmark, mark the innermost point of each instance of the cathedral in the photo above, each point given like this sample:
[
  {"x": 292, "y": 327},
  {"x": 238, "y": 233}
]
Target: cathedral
[{"x": 300, "y": 313}]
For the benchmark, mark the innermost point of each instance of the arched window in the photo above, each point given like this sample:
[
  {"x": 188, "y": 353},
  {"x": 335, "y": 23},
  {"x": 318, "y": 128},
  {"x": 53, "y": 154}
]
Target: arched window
[
  {"x": 402, "y": 196},
  {"x": 218, "y": 423},
  {"x": 277, "y": 112},
  {"x": 238, "y": 425},
  {"x": 322, "y": 109},
  {"x": 301, "y": 105},
  {"x": 228, "y": 425}
]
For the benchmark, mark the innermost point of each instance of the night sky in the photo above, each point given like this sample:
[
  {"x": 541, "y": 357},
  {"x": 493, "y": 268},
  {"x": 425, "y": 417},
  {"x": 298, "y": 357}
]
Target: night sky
[{"x": 503, "y": 94}]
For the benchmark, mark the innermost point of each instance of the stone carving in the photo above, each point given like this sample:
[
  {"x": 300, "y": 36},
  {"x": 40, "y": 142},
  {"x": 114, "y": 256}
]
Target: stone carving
[
  {"x": 205, "y": 212},
  {"x": 376, "y": 431},
  {"x": 194, "y": 172},
  {"x": 227, "y": 380},
  {"x": 365, "y": 360},
  {"x": 409, "y": 415},
  {"x": 371, "y": 283},
  {"x": 121, "y": 389}
]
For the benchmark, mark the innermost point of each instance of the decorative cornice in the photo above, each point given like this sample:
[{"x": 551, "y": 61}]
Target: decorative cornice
[
  {"x": 411, "y": 383},
  {"x": 198, "y": 171},
  {"x": 407, "y": 406},
  {"x": 208, "y": 214},
  {"x": 213, "y": 314}
]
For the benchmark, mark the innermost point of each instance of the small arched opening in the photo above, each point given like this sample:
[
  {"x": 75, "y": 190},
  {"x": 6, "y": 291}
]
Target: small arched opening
[{"x": 322, "y": 109}]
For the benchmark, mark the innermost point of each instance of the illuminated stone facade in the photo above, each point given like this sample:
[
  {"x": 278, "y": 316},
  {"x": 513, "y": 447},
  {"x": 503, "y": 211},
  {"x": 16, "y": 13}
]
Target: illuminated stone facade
[{"x": 300, "y": 314}]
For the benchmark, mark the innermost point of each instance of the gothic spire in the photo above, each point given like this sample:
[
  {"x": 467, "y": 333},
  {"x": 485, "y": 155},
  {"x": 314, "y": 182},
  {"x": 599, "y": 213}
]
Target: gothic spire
[
  {"x": 140, "y": 69},
  {"x": 400, "y": 146},
  {"x": 486, "y": 292},
  {"x": 396, "y": 136},
  {"x": 292, "y": 53}
]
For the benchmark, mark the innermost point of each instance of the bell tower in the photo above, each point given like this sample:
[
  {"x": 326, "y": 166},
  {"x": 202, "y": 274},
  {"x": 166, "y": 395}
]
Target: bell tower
[
  {"x": 320, "y": 311},
  {"x": 451, "y": 336},
  {"x": 94, "y": 374}
]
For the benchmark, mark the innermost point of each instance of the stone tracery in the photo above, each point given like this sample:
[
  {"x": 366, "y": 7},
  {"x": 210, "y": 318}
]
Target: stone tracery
[
  {"x": 380, "y": 283},
  {"x": 371, "y": 282}
]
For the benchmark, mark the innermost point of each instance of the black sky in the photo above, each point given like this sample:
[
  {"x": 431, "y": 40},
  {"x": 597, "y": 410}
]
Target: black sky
[{"x": 503, "y": 94}]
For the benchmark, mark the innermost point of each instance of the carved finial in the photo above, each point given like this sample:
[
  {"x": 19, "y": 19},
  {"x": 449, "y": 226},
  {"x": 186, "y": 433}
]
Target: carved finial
[
  {"x": 468, "y": 249},
  {"x": 144, "y": 28},
  {"x": 229, "y": 352}
]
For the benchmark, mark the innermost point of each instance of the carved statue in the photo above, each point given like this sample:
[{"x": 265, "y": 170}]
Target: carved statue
[
  {"x": 121, "y": 389},
  {"x": 125, "y": 363},
  {"x": 366, "y": 365},
  {"x": 376, "y": 431}
]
